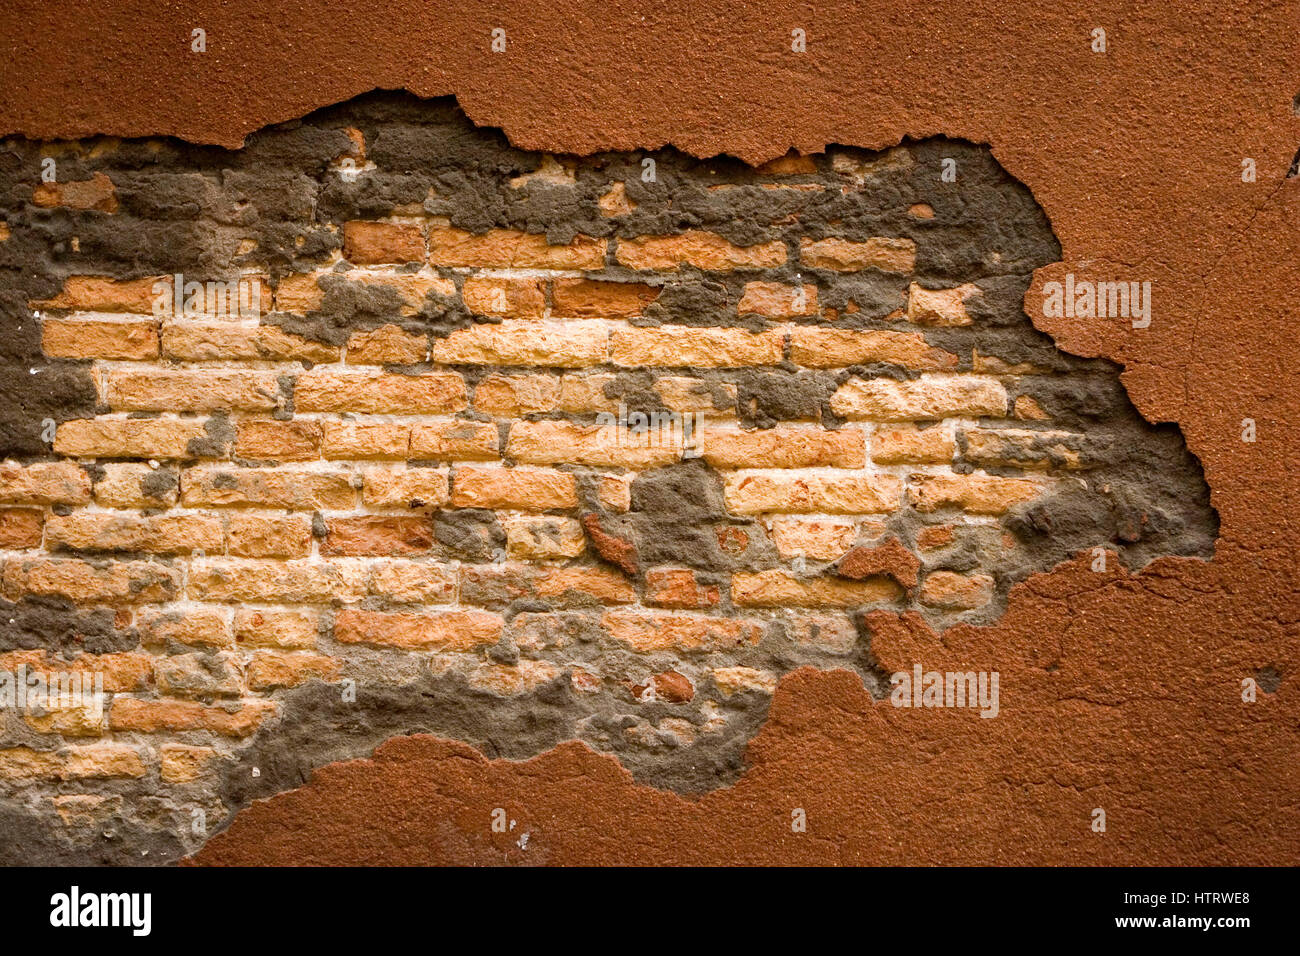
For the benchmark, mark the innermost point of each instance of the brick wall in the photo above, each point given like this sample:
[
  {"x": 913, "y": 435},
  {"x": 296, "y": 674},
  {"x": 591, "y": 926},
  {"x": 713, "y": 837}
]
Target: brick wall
[{"x": 383, "y": 494}]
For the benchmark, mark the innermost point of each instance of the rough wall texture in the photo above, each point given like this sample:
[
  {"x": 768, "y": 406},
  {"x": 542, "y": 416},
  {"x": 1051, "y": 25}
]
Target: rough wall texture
[{"x": 1128, "y": 686}]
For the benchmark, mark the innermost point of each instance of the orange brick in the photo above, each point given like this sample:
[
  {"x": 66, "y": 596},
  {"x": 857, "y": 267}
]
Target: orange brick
[
  {"x": 99, "y": 761},
  {"x": 378, "y": 535},
  {"x": 387, "y": 345},
  {"x": 817, "y": 538},
  {"x": 248, "y": 580},
  {"x": 681, "y": 346},
  {"x": 650, "y": 632},
  {"x": 96, "y": 193},
  {"x": 459, "y": 440},
  {"x": 498, "y": 585},
  {"x": 431, "y": 393},
  {"x": 296, "y": 489},
  {"x": 278, "y": 441},
  {"x": 192, "y": 390},
  {"x": 522, "y": 489},
  {"x": 413, "y": 581},
  {"x": 977, "y": 493},
  {"x": 777, "y": 588},
  {"x": 446, "y": 631},
  {"x": 507, "y": 248},
  {"x": 927, "y": 397},
  {"x": 190, "y": 341},
  {"x": 125, "y": 582},
  {"x": 172, "y": 716},
  {"x": 796, "y": 493},
  {"x": 505, "y": 297},
  {"x": 956, "y": 592},
  {"x": 159, "y": 534},
  {"x": 130, "y": 438},
  {"x": 513, "y": 396},
  {"x": 782, "y": 447},
  {"x": 678, "y": 588},
  {"x": 20, "y": 528},
  {"x": 704, "y": 250},
  {"x": 106, "y": 294},
  {"x": 838, "y": 348},
  {"x": 908, "y": 445},
  {"x": 776, "y": 300},
  {"x": 263, "y": 627},
  {"x": 543, "y": 538},
  {"x": 197, "y": 626},
  {"x": 595, "y": 299},
  {"x": 842, "y": 255},
  {"x": 179, "y": 763},
  {"x": 365, "y": 243},
  {"x": 90, "y": 339},
  {"x": 939, "y": 306},
  {"x": 272, "y": 670},
  {"x": 575, "y": 344},
  {"x": 268, "y": 536},
  {"x": 43, "y": 483},
  {"x": 551, "y": 442},
  {"x": 353, "y": 439}
]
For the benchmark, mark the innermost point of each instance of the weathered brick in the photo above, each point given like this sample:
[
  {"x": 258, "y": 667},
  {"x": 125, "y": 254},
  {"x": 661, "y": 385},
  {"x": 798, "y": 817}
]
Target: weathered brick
[
  {"x": 551, "y": 442},
  {"x": 353, "y": 439},
  {"x": 130, "y": 438},
  {"x": 189, "y": 625},
  {"x": 506, "y": 680},
  {"x": 268, "y": 536},
  {"x": 908, "y": 445},
  {"x": 777, "y": 588},
  {"x": 776, "y": 300},
  {"x": 704, "y": 250},
  {"x": 680, "y": 346},
  {"x": 43, "y": 483},
  {"x": 180, "y": 763},
  {"x": 735, "y": 680},
  {"x": 812, "y": 493},
  {"x": 158, "y": 534},
  {"x": 919, "y": 399},
  {"x": 458, "y": 440},
  {"x": 85, "y": 293},
  {"x": 20, "y": 528},
  {"x": 293, "y": 629},
  {"x": 405, "y": 487},
  {"x": 278, "y": 441},
  {"x": 98, "y": 761},
  {"x": 820, "y": 539},
  {"x": 543, "y": 538},
  {"x": 171, "y": 716},
  {"x": 679, "y": 588},
  {"x": 198, "y": 675},
  {"x": 575, "y": 344},
  {"x": 839, "y": 348},
  {"x": 503, "y": 296},
  {"x": 513, "y": 396},
  {"x": 956, "y": 592},
  {"x": 378, "y": 535},
  {"x": 277, "y": 582},
  {"x": 192, "y": 390},
  {"x": 135, "y": 485},
  {"x": 585, "y": 392},
  {"x": 843, "y": 255},
  {"x": 296, "y": 489},
  {"x": 651, "y": 632},
  {"x": 413, "y": 582},
  {"x": 1022, "y": 448},
  {"x": 976, "y": 493},
  {"x": 197, "y": 341},
  {"x": 97, "y": 193},
  {"x": 24, "y": 763},
  {"x": 387, "y": 345},
  {"x": 497, "y": 585},
  {"x": 782, "y": 447},
  {"x": 272, "y": 670},
  {"x": 703, "y": 398},
  {"x": 939, "y": 306},
  {"x": 83, "y": 338},
  {"x": 88, "y": 718},
  {"x": 509, "y": 249},
  {"x": 828, "y": 632},
  {"x": 445, "y": 631},
  {"x": 431, "y": 393},
  {"x": 124, "y": 582},
  {"x": 595, "y": 299},
  {"x": 365, "y": 243}
]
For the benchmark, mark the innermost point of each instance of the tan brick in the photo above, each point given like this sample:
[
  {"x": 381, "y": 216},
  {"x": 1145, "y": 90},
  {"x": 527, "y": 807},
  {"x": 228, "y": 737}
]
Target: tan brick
[
  {"x": 387, "y": 345},
  {"x": 506, "y": 680},
  {"x": 679, "y": 588},
  {"x": 1027, "y": 409},
  {"x": 276, "y": 582},
  {"x": 268, "y": 536},
  {"x": 839, "y": 348},
  {"x": 820, "y": 539},
  {"x": 365, "y": 243},
  {"x": 704, "y": 250},
  {"x": 20, "y": 528},
  {"x": 516, "y": 489},
  {"x": 705, "y": 399},
  {"x": 459, "y": 440},
  {"x": 828, "y": 632},
  {"x": 812, "y": 493},
  {"x": 945, "y": 307},
  {"x": 174, "y": 716},
  {"x": 552, "y": 442},
  {"x": 1022, "y": 448},
  {"x": 735, "y": 680},
  {"x": 125, "y": 582},
  {"x": 278, "y": 441},
  {"x": 85, "y": 809},
  {"x": 680, "y": 346},
  {"x": 158, "y": 534},
  {"x": 977, "y": 493},
  {"x": 585, "y": 392},
  {"x": 927, "y": 397},
  {"x": 446, "y": 631},
  {"x": 81, "y": 338},
  {"x": 129, "y": 438},
  {"x": 908, "y": 445},
  {"x": 412, "y": 288},
  {"x": 96, "y": 193},
  {"x": 296, "y": 489},
  {"x": 24, "y": 763},
  {"x": 86, "y": 719},
  {"x": 272, "y": 670},
  {"x": 574, "y": 344},
  {"x": 842, "y": 255},
  {"x": 43, "y": 483},
  {"x": 650, "y": 632},
  {"x": 615, "y": 492},
  {"x": 595, "y": 299},
  {"x": 782, "y": 447},
  {"x": 189, "y": 341},
  {"x": 505, "y": 297},
  {"x": 378, "y": 535},
  {"x": 956, "y": 592},
  {"x": 300, "y": 292},
  {"x": 105, "y": 294},
  {"x": 543, "y": 538},
  {"x": 776, "y": 588},
  {"x": 513, "y": 396},
  {"x": 194, "y": 626},
  {"x": 614, "y": 201},
  {"x": 498, "y": 585},
  {"x": 179, "y": 763},
  {"x": 135, "y": 485},
  {"x": 507, "y": 248},
  {"x": 265, "y": 627},
  {"x": 353, "y": 439},
  {"x": 431, "y": 393},
  {"x": 412, "y": 582},
  {"x": 97, "y": 761},
  {"x": 776, "y": 300},
  {"x": 192, "y": 390},
  {"x": 198, "y": 675},
  {"x": 405, "y": 487}
]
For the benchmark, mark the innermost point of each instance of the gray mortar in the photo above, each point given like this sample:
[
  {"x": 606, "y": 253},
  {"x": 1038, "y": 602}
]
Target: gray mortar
[{"x": 184, "y": 208}]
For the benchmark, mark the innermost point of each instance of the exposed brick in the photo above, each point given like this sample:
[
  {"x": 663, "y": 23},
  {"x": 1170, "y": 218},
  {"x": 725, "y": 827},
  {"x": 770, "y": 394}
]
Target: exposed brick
[
  {"x": 782, "y": 447},
  {"x": 129, "y": 438},
  {"x": 192, "y": 390},
  {"x": 96, "y": 193},
  {"x": 543, "y": 538},
  {"x": 497, "y": 585},
  {"x": 506, "y": 249},
  {"x": 550, "y": 442},
  {"x": 459, "y": 440},
  {"x": 263, "y": 536},
  {"x": 812, "y": 493},
  {"x": 278, "y": 582},
  {"x": 287, "y": 628},
  {"x": 85, "y": 293},
  {"x": 20, "y": 528},
  {"x": 505, "y": 297},
  {"x": 406, "y": 487},
  {"x": 180, "y": 763},
  {"x": 272, "y": 670},
  {"x": 43, "y": 483},
  {"x": 704, "y": 250},
  {"x": 956, "y": 592},
  {"x": 412, "y": 581},
  {"x": 135, "y": 485},
  {"x": 617, "y": 550},
  {"x": 778, "y": 588},
  {"x": 820, "y": 539},
  {"x": 650, "y": 632},
  {"x": 81, "y": 338},
  {"x": 776, "y": 300},
  {"x": 193, "y": 626},
  {"x": 513, "y": 396},
  {"x": 890, "y": 558},
  {"x": 679, "y": 588},
  {"x": 163, "y": 716},
  {"x": 294, "y": 488},
  {"x": 387, "y": 345},
  {"x": 378, "y": 535},
  {"x": 927, "y": 397},
  {"x": 842, "y": 255},
  {"x": 190, "y": 341},
  {"x": 594, "y": 299},
  {"x": 432, "y": 393},
  {"x": 839, "y": 348},
  {"x": 679, "y": 346},
  {"x": 939, "y": 306},
  {"x": 735, "y": 680},
  {"x": 125, "y": 582},
  {"x": 446, "y": 631},
  {"x": 1022, "y": 448},
  {"x": 278, "y": 441},
  {"x": 976, "y": 493},
  {"x": 908, "y": 445},
  {"x": 99, "y": 761},
  {"x": 353, "y": 439},
  {"x": 160, "y": 534},
  {"x": 522, "y": 489},
  {"x": 365, "y": 243},
  {"x": 198, "y": 675},
  {"x": 573, "y": 344}
]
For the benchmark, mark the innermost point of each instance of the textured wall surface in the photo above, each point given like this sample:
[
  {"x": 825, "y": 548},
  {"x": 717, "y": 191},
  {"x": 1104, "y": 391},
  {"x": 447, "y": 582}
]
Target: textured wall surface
[{"x": 1126, "y": 686}]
